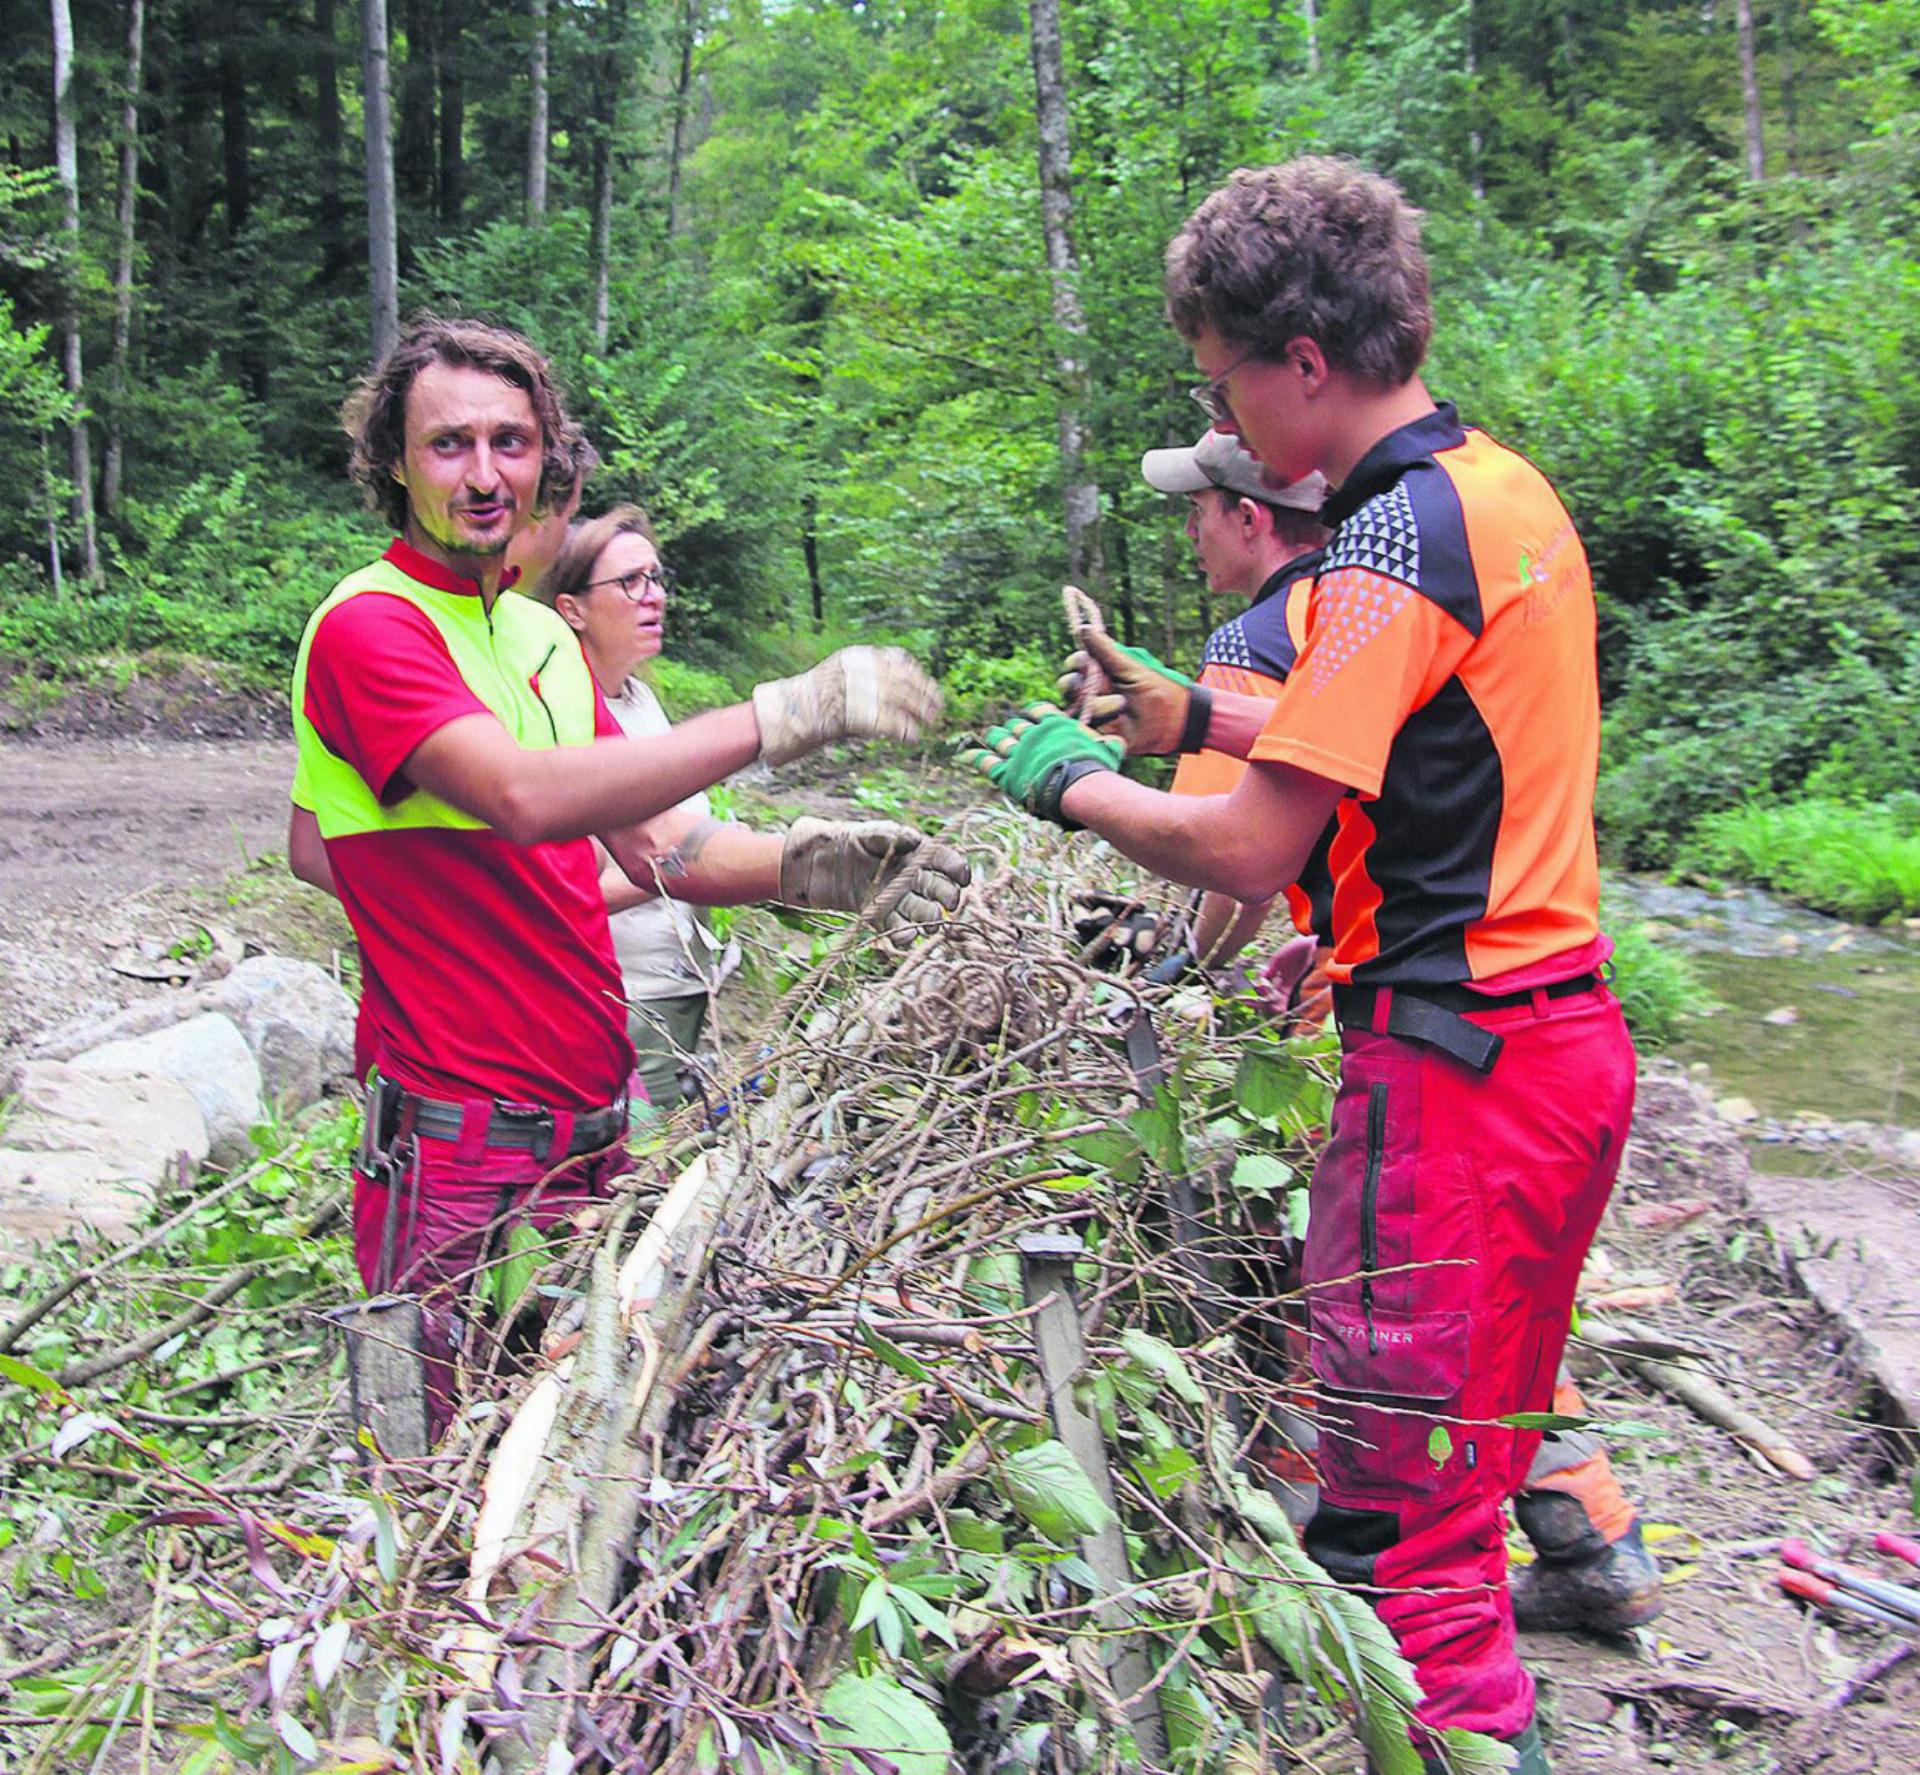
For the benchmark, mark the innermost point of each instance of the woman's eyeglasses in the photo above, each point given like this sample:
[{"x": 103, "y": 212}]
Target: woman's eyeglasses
[{"x": 636, "y": 585}]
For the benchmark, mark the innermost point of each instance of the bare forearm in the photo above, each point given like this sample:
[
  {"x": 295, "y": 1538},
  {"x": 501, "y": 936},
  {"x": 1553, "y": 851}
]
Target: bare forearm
[
  {"x": 1236, "y": 722},
  {"x": 539, "y": 797},
  {"x": 1248, "y": 844},
  {"x": 700, "y": 861},
  {"x": 1225, "y": 927}
]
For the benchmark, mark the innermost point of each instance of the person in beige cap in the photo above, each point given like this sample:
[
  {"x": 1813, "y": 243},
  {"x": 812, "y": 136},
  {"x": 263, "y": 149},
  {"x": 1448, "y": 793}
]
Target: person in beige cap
[{"x": 1260, "y": 540}]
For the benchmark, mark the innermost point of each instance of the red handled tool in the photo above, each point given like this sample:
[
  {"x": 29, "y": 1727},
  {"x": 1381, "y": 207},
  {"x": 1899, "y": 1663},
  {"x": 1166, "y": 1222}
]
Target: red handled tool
[
  {"x": 1896, "y": 1598},
  {"x": 1831, "y": 1597},
  {"x": 1899, "y": 1546}
]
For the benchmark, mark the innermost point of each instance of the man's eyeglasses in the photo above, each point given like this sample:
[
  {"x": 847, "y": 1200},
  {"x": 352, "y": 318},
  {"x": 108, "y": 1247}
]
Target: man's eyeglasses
[
  {"x": 1211, "y": 397},
  {"x": 636, "y": 585}
]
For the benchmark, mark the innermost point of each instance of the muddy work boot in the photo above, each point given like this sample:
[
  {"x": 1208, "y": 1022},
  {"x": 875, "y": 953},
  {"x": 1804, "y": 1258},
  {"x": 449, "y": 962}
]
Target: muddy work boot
[{"x": 1580, "y": 1581}]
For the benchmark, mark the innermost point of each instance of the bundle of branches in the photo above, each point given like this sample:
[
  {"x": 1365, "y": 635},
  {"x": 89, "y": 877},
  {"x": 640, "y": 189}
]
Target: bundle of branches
[{"x": 899, "y": 1427}]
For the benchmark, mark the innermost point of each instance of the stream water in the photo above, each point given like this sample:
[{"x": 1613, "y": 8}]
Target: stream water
[{"x": 1850, "y": 1049}]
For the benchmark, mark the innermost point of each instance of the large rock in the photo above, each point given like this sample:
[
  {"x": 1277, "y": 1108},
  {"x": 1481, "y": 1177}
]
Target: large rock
[
  {"x": 297, "y": 1020},
  {"x": 208, "y": 1055},
  {"x": 46, "y": 1195},
  {"x": 85, "y": 1150}
]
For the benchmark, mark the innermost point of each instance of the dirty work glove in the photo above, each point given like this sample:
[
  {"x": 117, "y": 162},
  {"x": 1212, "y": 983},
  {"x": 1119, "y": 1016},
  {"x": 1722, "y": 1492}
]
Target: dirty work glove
[
  {"x": 857, "y": 693},
  {"x": 841, "y": 865},
  {"x": 1037, "y": 756},
  {"x": 1127, "y": 693},
  {"x": 1114, "y": 932}
]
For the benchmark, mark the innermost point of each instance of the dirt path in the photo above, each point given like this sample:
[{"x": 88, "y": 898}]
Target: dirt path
[{"x": 107, "y": 846}]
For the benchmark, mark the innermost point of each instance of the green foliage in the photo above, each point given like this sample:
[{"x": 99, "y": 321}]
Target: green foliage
[
  {"x": 1860, "y": 860},
  {"x": 1656, "y": 986},
  {"x": 689, "y": 690}
]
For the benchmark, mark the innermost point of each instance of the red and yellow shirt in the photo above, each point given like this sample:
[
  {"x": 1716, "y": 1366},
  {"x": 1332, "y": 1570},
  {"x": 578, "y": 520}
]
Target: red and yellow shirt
[
  {"x": 487, "y": 967},
  {"x": 1448, "y": 677}
]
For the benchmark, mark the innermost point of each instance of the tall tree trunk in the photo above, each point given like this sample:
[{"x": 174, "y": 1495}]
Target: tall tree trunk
[
  {"x": 236, "y": 124},
  {"x": 810, "y": 550},
  {"x": 537, "y": 119},
  {"x": 682, "y": 85},
  {"x": 328, "y": 139},
  {"x": 1080, "y": 497},
  {"x": 382, "y": 237},
  {"x": 1123, "y": 562},
  {"x": 56, "y": 574},
  {"x": 66, "y": 158},
  {"x": 453, "y": 112},
  {"x": 1312, "y": 12},
  {"x": 1476, "y": 141},
  {"x": 1750, "y": 93},
  {"x": 413, "y": 153},
  {"x": 609, "y": 80},
  {"x": 1789, "y": 83},
  {"x": 123, "y": 258}
]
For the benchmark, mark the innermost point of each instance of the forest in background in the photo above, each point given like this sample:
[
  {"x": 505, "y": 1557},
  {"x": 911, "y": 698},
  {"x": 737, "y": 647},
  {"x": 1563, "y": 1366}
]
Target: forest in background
[{"x": 862, "y": 301}]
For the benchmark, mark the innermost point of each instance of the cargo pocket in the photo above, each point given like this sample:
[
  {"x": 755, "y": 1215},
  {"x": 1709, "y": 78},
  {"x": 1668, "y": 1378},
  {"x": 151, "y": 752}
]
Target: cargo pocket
[{"x": 1387, "y": 1381}]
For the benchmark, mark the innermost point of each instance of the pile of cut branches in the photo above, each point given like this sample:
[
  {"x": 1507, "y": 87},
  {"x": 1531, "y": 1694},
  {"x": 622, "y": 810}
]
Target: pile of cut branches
[{"x": 900, "y": 1423}]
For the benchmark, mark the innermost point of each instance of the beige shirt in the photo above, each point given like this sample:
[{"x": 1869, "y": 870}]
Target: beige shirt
[{"x": 665, "y": 949}]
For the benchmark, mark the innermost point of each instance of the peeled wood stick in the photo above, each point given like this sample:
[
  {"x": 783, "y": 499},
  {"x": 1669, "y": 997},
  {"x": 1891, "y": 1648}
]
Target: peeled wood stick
[{"x": 1702, "y": 1395}]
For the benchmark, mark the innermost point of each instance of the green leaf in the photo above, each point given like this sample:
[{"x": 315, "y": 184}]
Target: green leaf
[
  {"x": 1115, "y": 1151},
  {"x": 1543, "y": 1420},
  {"x": 1440, "y": 1446},
  {"x": 891, "y": 1353},
  {"x": 932, "y": 1619},
  {"x": 1266, "y": 1084},
  {"x": 1051, "y": 1491},
  {"x": 1166, "y": 1470},
  {"x": 1299, "y": 1205},
  {"x": 1261, "y": 1174},
  {"x": 386, "y": 1541},
  {"x": 26, "y": 1375},
  {"x": 873, "y": 1711},
  {"x": 872, "y": 1600},
  {"x": 1158, "y": 1125},
  {"x": 509, "y": 1280},
  {"x": 1159, "y": 1357}
]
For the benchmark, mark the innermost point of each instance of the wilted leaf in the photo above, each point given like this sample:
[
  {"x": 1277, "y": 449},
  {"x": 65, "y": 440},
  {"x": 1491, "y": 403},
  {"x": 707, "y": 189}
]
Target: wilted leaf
[
  {"x": 452, "y": 1736},
  {"x": 1052, "y": 1492},
  {"x": 75, "y": 1431},
  {"x": 297, "y": 1738},
  {"x": 280, "y": 1663},
  {"x": 329, "y": 1650}
]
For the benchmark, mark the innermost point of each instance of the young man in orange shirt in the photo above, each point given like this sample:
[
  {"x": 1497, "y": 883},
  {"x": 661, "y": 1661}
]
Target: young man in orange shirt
[{"x": 1444, "y": 710}]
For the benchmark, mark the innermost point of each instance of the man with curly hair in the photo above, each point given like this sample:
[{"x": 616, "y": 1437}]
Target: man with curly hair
[
  {"x": 1444, "y": 710},
  {"x": 457, "y": 760}
]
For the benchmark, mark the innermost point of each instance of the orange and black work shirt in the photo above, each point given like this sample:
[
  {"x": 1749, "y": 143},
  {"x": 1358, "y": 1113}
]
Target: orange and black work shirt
[
  {"x": 1448, "y": 677},
  {"x": 1251, "y": 655}
]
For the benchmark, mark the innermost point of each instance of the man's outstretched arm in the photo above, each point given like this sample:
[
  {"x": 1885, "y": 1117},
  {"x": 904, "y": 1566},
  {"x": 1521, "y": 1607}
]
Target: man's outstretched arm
[{"x": 1248, "y": 844}]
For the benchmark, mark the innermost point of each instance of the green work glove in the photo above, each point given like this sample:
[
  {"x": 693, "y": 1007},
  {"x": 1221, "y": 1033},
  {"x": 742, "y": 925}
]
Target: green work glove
[{"x": 1037, "y": 755}]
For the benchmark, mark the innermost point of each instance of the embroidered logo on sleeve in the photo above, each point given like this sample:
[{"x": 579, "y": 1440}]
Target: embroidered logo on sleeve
[{"x": 1350, "y": 608}]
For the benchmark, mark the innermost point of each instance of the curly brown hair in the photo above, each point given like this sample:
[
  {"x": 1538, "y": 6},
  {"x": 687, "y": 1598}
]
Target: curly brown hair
[
  {"x": 1318, "y": 247},
  {"x": 374, "y": 415},
  {"x": 573, "y": 566}
]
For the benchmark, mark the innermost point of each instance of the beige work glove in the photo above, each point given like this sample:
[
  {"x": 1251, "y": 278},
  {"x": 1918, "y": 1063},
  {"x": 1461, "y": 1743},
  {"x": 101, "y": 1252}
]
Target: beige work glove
[
  {"x": 1124, "y": 693},
  {"x": 842, "y": 865},
  {"x": 855, "y": 694}
]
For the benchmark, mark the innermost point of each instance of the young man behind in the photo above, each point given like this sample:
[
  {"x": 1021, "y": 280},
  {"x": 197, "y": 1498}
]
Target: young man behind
[
  {"x": 456, "y": 758},
  {"x": 1445, "y": 710}
]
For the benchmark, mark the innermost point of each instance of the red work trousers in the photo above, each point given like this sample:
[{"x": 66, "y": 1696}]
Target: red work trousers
[
  {"x": 448, "y": 1216},
  {"x": 1451, "y": 1212}
]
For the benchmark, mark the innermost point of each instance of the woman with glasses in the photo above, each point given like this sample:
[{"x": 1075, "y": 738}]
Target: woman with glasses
[{"x": 610, "y": 587}]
